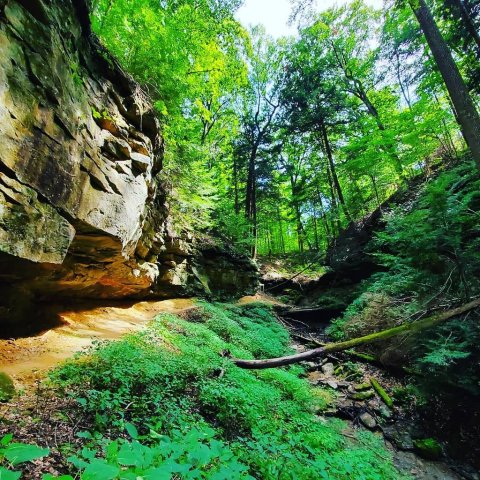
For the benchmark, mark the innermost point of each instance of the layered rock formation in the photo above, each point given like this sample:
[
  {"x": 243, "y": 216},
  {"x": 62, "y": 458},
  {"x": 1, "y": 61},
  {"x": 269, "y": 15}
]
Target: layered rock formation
[{"x": 82, "y": 212}]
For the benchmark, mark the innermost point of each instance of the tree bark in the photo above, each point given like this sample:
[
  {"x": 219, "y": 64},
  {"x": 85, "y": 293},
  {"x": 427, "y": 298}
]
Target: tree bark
[
  {"x": 468, "y": 22},
  {"x": 333, "y": 171},
  {"x": 235, "y": 185},
  {"x": 412, "y": 327},
  {"x": 468, "y": 117}
]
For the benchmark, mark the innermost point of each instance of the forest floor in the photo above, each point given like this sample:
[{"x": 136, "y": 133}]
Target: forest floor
[
  {"x": 27, "y": 360},
  {"x": 349, "y": 382}
]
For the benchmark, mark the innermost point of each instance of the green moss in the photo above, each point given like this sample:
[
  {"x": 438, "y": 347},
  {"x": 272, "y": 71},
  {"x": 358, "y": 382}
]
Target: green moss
[
  {"x": 428, "y": 448},
  {"x": 363, "y": 395},
  {"x": 7, "y": 388}
]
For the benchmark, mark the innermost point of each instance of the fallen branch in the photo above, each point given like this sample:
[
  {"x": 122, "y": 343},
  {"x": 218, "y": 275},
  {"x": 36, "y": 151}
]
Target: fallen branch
[{"x": 412, "y": 327}]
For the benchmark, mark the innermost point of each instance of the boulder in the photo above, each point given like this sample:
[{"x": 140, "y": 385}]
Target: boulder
[
  {"x": 7, "y": 388},
  {"x": 368, "y": 420},
  {"x": 428, "y": 448},
  {"x": 328, "y": 369}
]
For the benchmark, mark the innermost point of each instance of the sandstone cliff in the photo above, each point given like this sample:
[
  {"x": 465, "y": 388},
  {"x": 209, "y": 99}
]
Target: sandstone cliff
[{"x": 82, "y": 210}]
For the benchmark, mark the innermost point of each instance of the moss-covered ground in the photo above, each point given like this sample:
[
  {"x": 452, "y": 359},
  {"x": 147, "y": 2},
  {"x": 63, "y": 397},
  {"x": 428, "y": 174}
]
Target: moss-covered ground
[{"x": 168, "y": 403}]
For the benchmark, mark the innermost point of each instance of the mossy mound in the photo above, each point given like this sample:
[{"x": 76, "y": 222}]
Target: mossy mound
[
  {"x": 428, "y": 448},
  {"x": 7, "y": 388}
]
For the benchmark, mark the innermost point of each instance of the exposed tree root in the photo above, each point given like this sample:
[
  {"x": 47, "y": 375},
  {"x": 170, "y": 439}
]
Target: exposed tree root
[{"x": 412, "y": 327}]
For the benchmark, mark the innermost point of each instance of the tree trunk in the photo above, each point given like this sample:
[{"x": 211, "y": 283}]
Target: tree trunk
[
  {"x": 323, "y": 215},
  {"x": 280, "y": 226},
  {"x": 251, "y": 198},
  {"x": 468, "y": 117},
  {"x": 333, "y": 171},
  {"x": 412, "y": 327},
  {"x": 468, "y": 22},
  {"x": 315, "y": 228},
  {"x": 235, "y": 185}
]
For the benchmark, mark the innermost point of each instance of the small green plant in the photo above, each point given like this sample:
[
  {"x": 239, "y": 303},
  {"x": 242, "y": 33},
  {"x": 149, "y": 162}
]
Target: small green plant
[
  {"x": 76, "y": 73},
  {"x": 7, "y": 387},
  {"x": 14, "y": 454},
  {"x": 195, "y": 454},
  {"x": 100, "y": 115}
]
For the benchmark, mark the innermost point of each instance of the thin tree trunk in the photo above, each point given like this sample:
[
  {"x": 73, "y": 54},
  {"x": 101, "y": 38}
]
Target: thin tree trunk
[
  {"x": 468, "y": 22},
  {"x": 323, "y": 215},
  {"x": 315, "y": 229},
  {"x": 235, "y": 185},
  {"x": 280, "y": 225},
  {"x": 404, "y": 89},
  {"x": 333, "y": 171},
  {"x": 412, "y": 327},
  {"x": 251, "y": 198},
  {"x": 467, "y": 113}
]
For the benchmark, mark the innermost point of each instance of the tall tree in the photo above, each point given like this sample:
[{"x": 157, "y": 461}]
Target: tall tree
[
  {"x": 259, "y": 110},
  {"x": 467, "y": 114}
]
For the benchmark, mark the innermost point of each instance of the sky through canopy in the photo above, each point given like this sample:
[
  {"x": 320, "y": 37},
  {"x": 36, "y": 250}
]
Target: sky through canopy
[{"x": 274, "y": 14}]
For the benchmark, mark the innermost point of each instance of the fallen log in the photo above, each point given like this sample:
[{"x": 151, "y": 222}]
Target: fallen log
[
  {"x": 382, "y": 393},
  {"x": 411, "y": 327}
]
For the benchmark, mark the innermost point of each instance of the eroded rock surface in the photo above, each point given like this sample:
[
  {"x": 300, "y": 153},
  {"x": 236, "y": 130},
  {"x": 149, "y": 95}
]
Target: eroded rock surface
[{"x": 82, "y": 210}]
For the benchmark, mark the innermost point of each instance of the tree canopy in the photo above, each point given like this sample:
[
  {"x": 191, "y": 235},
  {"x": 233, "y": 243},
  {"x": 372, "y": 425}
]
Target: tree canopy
[{"x": 278, "y": 145}]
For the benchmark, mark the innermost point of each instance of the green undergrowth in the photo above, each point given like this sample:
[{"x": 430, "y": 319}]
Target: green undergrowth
[
  {"x": 165, "y": 404},
  {"x": 431, "y": 256},
  {"x": 308, "y": 263}
]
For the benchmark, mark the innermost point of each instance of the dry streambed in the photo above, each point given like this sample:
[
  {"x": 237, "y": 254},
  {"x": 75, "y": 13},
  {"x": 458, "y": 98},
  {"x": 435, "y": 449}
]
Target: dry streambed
[
  {"x": 356, "y": 400},
  {"x": 27, "y": 358}
]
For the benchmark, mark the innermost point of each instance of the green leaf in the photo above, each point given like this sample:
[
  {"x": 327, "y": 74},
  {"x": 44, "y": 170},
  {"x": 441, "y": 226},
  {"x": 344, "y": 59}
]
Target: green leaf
[
  {"x": 17, "y": 453},
  {"x": 8, "y": 474},
  {"x": 161, "y": 473},
  {"x": 129, "y": 455},
  {"x": 132, "y": 430},
  {"x": 100, "y": 470},
  {"x": 6, "y": 439}
]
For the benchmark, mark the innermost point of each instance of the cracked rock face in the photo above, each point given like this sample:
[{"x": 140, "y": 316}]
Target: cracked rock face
[
  {"x": 78, "y": 158},
  {"x": 82, "y": 212}
]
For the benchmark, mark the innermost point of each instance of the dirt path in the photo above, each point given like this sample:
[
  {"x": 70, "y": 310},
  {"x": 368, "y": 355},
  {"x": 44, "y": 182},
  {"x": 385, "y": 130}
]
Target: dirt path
[{"x": 26, "y": 359}]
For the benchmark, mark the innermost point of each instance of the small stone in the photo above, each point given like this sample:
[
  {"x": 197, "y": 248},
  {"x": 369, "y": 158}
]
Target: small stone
[
  {"x": 359, "y": 387},
  {"x": 7, "y": 388},
  {"x": 328, "y": 369},
  {"x": 385, "y": 412},
  {"x": 368, "y": 420},
  {"x": 363, "y": 395},
  {"x": 428, "y": 448},
  {"x": 310, "y": 365},
  {"x": 332, "y": 384}
]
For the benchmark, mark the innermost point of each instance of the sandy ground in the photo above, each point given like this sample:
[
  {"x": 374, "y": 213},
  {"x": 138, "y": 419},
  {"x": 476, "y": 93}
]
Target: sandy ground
[{"x": 26, "y": 359}]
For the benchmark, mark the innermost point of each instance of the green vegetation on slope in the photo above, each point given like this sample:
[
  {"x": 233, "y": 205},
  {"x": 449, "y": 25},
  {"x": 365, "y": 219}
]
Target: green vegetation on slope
[
  {"x": 165, "y": 404},
  {"x": 431, "y": 251}
]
